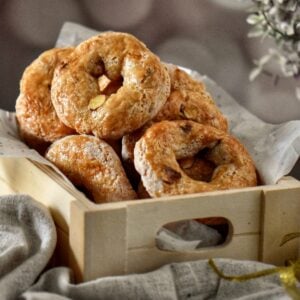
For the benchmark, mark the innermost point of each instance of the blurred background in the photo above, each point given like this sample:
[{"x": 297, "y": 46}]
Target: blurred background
[{"x": 209, "y": 36}]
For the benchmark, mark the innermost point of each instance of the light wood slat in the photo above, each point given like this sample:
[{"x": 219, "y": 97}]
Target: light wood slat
[
  {"x": 240, "y": 208},
  {"x": 281, "y": 210},
  {"x": 148, "y": 259}
]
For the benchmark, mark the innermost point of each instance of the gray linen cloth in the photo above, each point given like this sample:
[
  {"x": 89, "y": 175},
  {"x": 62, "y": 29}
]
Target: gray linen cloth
[
  {"x": 27, "y": 241},
  {"x": 192, "y": 280}
]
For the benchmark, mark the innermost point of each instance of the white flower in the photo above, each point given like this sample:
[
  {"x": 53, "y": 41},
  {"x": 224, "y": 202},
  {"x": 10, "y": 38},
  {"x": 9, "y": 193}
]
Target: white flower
[
  {"x": 254, "y": 19},
  {"x": 279, "y": 20},
  {"x": 286, "y": 28},
  {"x": 254, "y": 73}
]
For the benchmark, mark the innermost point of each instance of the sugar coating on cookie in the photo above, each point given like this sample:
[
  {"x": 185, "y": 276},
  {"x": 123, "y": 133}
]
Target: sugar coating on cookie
[
  {"x": 110, "y": 85},
  {"x": 92, "y": 165},
  {"x": 36, "y": 116},
  {"x": 188, "y": 100},
  {"x": 157, "y": 153}
]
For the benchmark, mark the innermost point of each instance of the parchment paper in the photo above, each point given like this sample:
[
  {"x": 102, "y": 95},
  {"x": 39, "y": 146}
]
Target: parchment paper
[{"x": 274, "y": 148}]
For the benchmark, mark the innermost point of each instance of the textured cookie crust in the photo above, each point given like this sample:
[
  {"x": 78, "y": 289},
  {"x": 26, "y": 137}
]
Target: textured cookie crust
[
  {"x": 111, "y": 85},
  {"x": 188, "y": 100},
  {"x": 157, "y": 152},
  {"x": 36, "y": 116},
  {"x": 91, "y": 164}
]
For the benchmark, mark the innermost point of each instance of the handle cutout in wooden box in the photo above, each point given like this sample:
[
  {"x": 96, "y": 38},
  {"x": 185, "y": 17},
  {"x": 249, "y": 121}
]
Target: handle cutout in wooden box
[{"x": 194, "y": 234}]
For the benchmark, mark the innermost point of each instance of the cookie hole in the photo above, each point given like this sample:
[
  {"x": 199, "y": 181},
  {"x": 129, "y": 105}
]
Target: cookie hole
[
  {"x": 194, "y": 234},
  {"x": 197, "y": 168},
  {"x": 112, "y": 87}
]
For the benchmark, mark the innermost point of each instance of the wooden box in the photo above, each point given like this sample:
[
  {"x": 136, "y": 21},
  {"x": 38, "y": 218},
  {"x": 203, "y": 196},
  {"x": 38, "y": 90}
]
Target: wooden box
[{"x": 119, "y": 238}]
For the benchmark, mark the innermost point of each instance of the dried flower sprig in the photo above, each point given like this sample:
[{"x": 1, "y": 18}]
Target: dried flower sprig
[{"x": 280, "y": 21}]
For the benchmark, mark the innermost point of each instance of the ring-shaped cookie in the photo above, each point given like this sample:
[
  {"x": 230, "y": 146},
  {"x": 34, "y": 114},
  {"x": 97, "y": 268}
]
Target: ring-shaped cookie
[
  {"x": 188, "y": 100},
  {"x": 36, "y": 116},
  {"x": 92, "y": 165},
  {"x": 157, "y": 152},
  {"x": 195, "y": 168},
  {"x": 111, "y": 85}
]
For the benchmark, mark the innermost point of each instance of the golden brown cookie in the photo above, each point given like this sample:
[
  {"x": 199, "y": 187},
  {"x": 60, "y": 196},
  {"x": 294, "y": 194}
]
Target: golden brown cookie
[
  {"x": 110, "y": 85},
  {"x": 157, "y": 153},
  {"x": 92, "y": 165},
  {"x": 197, "y": 168},
  {"x": 193, "y": 167},
  {"x": 188, "y": 100},
  {"x": 37, "y": 119}
]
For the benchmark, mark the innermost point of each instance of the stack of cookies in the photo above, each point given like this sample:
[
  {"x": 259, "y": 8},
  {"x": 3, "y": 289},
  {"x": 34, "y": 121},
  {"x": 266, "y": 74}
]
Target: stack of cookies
[{"x": 121, "y": 125}]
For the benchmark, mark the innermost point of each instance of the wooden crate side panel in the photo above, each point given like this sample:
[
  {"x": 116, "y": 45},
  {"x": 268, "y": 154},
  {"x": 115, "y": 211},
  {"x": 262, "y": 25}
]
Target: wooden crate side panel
[
  {"x": 98, "y": 241},
  {"x": 77, "y": 240},
  {"x": 147, "y": 259},
  {"x": 281, "y": 211},
  {"x": 5, "y": 189},
  {"x": 25, "y": 178},
  {"x": 240, "y": 208},
  {"x": 67, "y": 186}
]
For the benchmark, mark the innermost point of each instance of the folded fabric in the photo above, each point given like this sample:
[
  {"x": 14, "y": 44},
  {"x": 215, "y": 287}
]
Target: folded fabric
[
  {"x": 190, "y": 280},
  {"x": 27, "y": 242}
]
